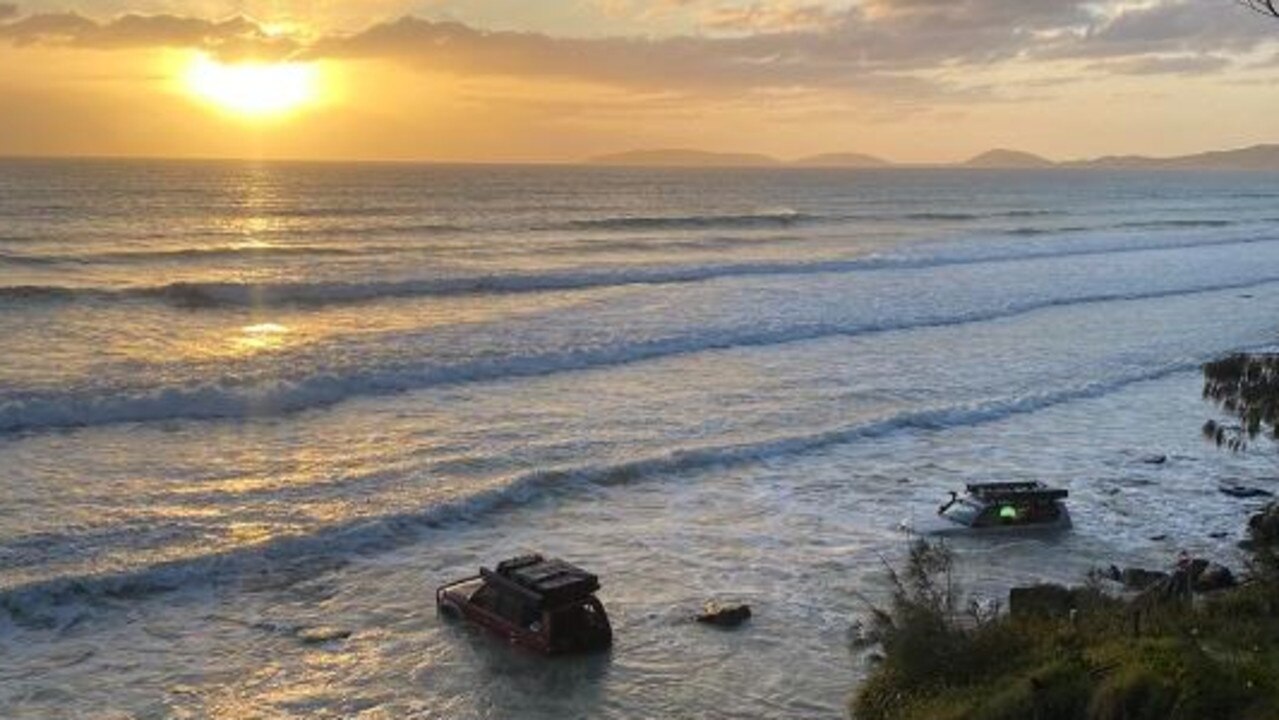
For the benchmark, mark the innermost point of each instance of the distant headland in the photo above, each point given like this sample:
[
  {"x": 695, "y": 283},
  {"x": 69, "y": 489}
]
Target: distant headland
[{"x": 1256, "y": 157}]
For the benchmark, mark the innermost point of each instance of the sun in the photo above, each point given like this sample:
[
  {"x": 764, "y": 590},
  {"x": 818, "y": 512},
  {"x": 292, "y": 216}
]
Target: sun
[{"x": 253, "y": 89}]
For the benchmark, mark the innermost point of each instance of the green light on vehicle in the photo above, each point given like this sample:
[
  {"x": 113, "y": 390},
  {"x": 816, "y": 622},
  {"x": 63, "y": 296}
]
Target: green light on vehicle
[{"x": 1008, "y": 512}]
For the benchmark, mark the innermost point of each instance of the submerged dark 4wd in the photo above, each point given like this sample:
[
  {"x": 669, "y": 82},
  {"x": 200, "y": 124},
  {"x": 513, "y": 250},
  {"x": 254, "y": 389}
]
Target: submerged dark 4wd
[
  {"x": 547, "y": 605},
  {"x": 1006, "y": 505}
]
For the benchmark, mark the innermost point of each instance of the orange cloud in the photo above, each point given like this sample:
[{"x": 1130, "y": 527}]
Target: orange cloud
[
  {"x": 237, "y": 36},
  {"x": 891, "y": 47},
  {"x": 771, "y": 17}
]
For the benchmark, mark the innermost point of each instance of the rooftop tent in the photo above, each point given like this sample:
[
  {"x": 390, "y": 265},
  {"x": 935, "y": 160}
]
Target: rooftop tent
[
  {"x": 549, "y": 581},
  {"x": 997, "y": 492}
]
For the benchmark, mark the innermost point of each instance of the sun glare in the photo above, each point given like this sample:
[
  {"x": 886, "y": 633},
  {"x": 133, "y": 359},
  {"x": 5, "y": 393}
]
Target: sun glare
[{"x": 253, "y": 89}]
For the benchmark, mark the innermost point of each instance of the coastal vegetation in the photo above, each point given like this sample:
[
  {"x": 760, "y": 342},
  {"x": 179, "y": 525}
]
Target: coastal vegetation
[{"x": 1093, "y": 653}]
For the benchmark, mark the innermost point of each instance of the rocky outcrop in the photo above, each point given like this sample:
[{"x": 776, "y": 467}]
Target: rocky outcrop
[
  {"x": 728, "y": 615},
  {"x": 1263, "y": 527},
  {"x": 1213, "y": 577},
  {"x": 1243, "y": 491},
  {"x": 1043, "y": 600}
]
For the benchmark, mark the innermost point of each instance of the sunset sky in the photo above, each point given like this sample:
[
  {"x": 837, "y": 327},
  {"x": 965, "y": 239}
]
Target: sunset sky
[{"x": 555, "y": 80}]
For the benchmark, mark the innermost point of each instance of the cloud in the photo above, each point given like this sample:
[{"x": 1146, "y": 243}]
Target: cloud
[
  {"x": 1187, "y": 26},
  {"x": 640, "y": 62},
  {"x": 8, "y": 10},
  {"x": 235, "y": 37},
  {"x": 887, "y": 47},
  {"x": 1011, "y": 14},
  {"x": 770, "y": 17},
  {"x": 1164, "y": 65}
]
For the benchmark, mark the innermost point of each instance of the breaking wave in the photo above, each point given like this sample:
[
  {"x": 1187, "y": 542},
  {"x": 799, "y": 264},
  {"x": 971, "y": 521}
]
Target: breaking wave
[
  {"x": 229, "y": 294},
  {"x": 784, "y": 217},
  {"x": 33, "y": 411},
  {"x": 1197, "y": 223},
  {"x": 195, "y": 253},
  {"x": 1031, "y": 231},
  {"x": 295, "y": 558},
  {"x": 763, "y": 218}
]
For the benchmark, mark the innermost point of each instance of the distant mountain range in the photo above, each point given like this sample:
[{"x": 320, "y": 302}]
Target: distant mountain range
[
  {"x": 1257, "y": 157},
  {"x": 1001, "y": 159}
]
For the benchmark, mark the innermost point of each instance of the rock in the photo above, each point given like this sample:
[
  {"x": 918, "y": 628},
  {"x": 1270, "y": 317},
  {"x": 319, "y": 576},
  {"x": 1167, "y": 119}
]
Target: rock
[
  {"x": 1218, "y": 535},
  {"x": 1140, "y": 579},
  {"x": 1243, "y": 491},
  {"x": 1174, "y": 587},
  {"x": 730, "y": 615},
  {"x": 859, "y": 637},
  {"x": 1158, "y": 538},
  {"x": 1214, "y": 577},
  {"x": 1196, "y": 567},
  {"x": 1263, "y": 527},
  {"x": 1047, "y": 600},
  {"x": 1155, "y": 459}
]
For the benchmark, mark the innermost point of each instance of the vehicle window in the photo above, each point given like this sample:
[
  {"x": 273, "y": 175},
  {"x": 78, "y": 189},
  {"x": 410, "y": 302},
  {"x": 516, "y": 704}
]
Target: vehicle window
[
  {"x": 963, "y": 512},
  {"x": 511, "y": 607},
  {"x": 579, "y": 617},
  {"x": 468, "y": 588},
  {"x": 485, "y": 597}
]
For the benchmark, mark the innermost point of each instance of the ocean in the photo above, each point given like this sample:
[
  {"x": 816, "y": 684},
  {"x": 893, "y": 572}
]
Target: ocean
[{"x": 252, "y": 414}]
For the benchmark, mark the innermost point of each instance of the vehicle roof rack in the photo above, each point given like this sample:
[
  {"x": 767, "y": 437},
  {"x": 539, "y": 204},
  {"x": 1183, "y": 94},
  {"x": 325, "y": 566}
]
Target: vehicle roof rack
[
  {"x": 550, "y": 581},
  {"x": 1016, "y": 491}
]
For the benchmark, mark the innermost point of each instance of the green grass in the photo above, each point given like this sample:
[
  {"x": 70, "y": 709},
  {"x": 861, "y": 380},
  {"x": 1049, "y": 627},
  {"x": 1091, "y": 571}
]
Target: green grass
[{"x": 1217, "y": 659}]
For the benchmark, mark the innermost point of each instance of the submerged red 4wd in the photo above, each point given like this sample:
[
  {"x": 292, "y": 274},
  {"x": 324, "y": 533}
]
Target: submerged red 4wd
[{"x": 547, "y": 605}]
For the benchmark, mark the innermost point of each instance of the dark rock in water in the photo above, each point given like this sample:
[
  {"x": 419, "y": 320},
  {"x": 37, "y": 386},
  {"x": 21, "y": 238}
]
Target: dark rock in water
[
  {"x": 859, "y": 637},
  {"x": 1213, "y": 577},
  {"x": 1140, "y": 579},
  {"x": 730, "y": 615},
  {"x": 1263, "y": 527},
  {"x": 1218, "y": 535},
  {"x": 1243, "y": 491},
  {"x": 1158, "y": 538},
  {"x": 1154, "y": 459},
  {"x": 1045, "y": 600},
  {"x": 1191, "y": 575}
]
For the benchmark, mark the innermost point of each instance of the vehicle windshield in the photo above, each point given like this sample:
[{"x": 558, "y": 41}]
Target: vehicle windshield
[
  {"x": 963, "y": 511},
  {"x": 465, "y": 588}
]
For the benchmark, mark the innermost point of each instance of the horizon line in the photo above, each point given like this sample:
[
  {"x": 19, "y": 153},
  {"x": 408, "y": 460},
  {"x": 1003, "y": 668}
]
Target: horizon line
[{"x": 767, "y": 161}]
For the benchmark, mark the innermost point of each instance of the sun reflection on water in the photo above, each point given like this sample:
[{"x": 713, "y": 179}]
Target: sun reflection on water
[{"x": 262, "y": 336}]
